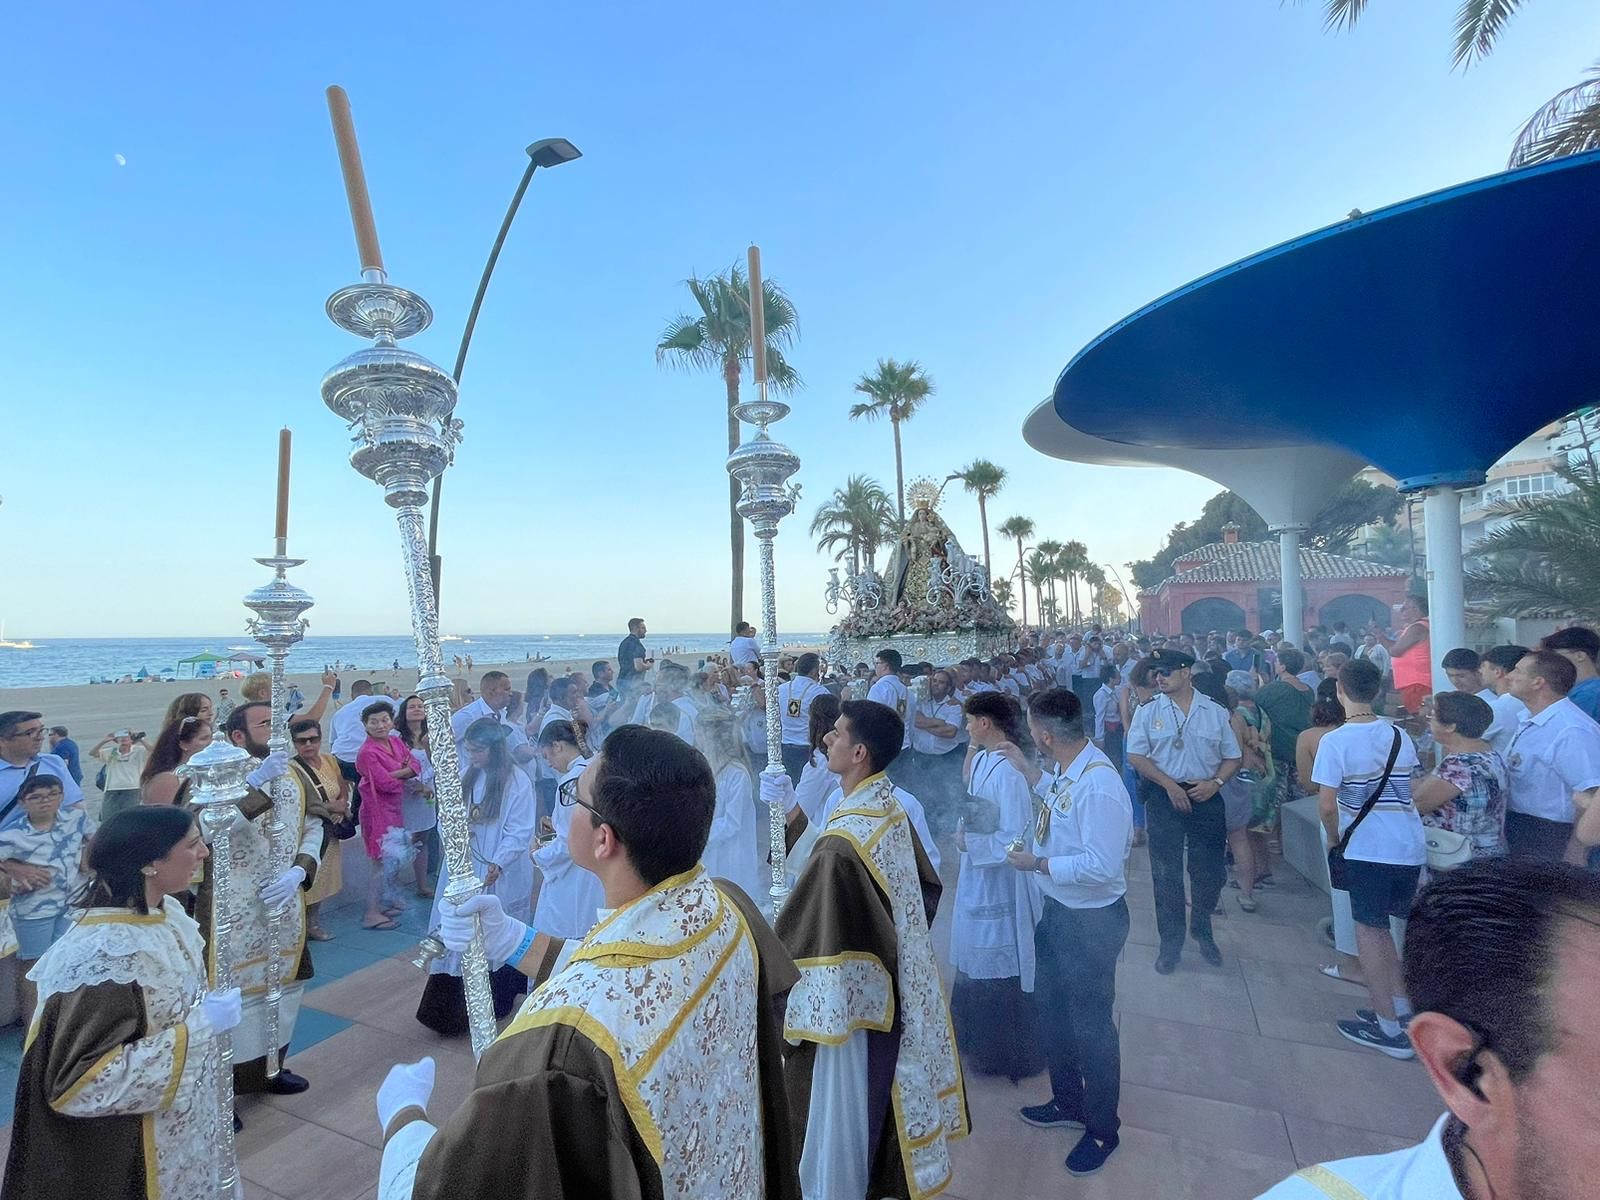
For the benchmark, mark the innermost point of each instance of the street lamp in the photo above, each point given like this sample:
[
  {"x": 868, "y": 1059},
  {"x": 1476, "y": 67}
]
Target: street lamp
[{"x": 549, "y": 152}]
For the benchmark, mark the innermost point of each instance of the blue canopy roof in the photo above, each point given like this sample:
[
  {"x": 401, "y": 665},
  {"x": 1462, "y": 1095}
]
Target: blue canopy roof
[{"x": 1427, "y": 338}]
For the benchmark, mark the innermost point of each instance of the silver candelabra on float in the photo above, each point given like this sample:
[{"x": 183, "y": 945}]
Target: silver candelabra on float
[
  {"x": 218, "y": 773},
  {"x": 763, "y": 467},
  {"x": 400, "y": 409},
  {"x": 277, "y": 625}
]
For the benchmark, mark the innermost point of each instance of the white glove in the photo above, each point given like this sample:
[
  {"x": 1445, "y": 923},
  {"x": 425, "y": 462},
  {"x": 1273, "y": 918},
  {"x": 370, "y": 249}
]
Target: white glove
[
  {"x": 777, "y": 790},
  {"x": 406, "y": 1085},
  {"x": 222, "y": 1009},
  {"x": 273, "y": 766},
  {"x": 501, "y": 934},
  {"x": 277, "y": 893}
]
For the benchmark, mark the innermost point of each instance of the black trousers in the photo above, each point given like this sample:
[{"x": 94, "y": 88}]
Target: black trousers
[
  {"x": 1536, "y": 837},
  {"x": 1075, "y": 986},
  {"x": 1203, "y": 832},
  {"x": 349, "y": 772},
  {"x": 795, "y": 759}
]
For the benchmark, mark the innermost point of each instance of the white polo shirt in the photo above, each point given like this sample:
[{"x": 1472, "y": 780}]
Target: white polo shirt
[
  {"x": 1207, "y": 737},
  {"x": 346, "y": 732},
  {"x": 889, "y": 690},
  {"x": 1420, "y": 1172},
  {"x": 1553, "y": 754},
  {"x": 795, "y": 698},
  {"x": 1508, "y": 715},
  {"x": 1088, "y": 834},
  {"x": 947, "y": 710}
]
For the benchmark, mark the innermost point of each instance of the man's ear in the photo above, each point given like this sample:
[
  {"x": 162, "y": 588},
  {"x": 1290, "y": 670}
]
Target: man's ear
[{"x": 1470, "y": 1078}]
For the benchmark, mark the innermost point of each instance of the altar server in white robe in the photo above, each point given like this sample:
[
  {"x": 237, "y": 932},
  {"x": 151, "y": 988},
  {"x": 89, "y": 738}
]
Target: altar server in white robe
[
  {"x": 570, "y": 896},
  {"x": 736, "y": 849}
]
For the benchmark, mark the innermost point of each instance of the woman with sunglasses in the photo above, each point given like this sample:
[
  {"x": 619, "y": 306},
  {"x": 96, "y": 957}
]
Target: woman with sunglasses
[
  {"x": 500, "y": 822},
  {"x": 319, "y": 776},
  {"x": 177, "y": 743}
]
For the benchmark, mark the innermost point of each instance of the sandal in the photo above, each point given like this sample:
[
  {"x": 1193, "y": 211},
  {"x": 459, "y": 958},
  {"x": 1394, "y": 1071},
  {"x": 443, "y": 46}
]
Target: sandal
[
  {"x": 1248, "y": 903},
  {"x": 383, "y": 925},
  {"x": 319, "y": 934}
]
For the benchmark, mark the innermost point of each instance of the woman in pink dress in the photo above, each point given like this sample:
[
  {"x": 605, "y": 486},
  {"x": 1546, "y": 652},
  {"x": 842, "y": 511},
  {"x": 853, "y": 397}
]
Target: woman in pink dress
[{"x": 384, "y": 763}]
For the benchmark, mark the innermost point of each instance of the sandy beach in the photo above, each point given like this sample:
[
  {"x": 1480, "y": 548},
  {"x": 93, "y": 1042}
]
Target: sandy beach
[{"x": 90, "y": 711}]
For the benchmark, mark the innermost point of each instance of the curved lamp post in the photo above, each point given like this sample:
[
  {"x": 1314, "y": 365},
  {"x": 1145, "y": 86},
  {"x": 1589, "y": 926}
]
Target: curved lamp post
[{"x": 550, "y": 152}]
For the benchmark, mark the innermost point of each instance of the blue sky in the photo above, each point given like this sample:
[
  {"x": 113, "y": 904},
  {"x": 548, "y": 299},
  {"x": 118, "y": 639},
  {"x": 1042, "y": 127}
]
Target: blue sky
[{"x": 983, "y": 190}]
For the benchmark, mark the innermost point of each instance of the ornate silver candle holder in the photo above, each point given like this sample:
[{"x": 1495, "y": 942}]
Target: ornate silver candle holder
[
  {"x": 400, "y": 410},
  {"x": 277, "y": 625},
  {"x": 218, "y": 773},
  {"x": 763, "y": 467}
]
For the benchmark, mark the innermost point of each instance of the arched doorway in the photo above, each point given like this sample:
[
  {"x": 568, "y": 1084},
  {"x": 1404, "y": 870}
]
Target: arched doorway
[
  {"x": 1357, "y": 610},
  {"x": 1213, "y": 612}
]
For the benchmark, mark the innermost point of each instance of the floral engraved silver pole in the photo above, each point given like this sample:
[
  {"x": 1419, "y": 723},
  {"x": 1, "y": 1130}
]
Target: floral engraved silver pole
[
  {"x": 218, "y": 772},
  {"x": 763, "y": 467},
  {"x": 277, "y": 625},
  {"x": 400, "y": 408}
]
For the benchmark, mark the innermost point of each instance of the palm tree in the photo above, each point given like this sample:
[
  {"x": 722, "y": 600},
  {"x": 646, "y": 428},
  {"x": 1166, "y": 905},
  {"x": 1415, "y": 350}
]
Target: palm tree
[
  {"x": 896, "y": 390},
  {"x": 1040, "y": 570},
  {"x": 1096, "y": 579},
  {"x": 1051, "y": 551},
  {"x": 1018, "y": 528},
  {"x": 855, "y": 521},
  {"x": 983, "y": 479},
  {"x": 1546, "y": 560},
  {"x": 1002, "y": 592},
  {"x": 1071, "y": 559},
  {"x": 717, "y": 337},
  {"x": 1568, "y": 123}
]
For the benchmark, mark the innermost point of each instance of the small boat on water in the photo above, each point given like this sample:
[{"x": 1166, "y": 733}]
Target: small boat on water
[{"x": 9, "y": 645}]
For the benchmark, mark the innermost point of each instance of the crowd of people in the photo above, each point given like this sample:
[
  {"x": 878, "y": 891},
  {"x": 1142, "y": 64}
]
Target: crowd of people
[{"x": 1041, "y": 767}]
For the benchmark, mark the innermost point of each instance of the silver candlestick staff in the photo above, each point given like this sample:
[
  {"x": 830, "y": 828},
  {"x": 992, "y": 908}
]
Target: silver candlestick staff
[
  {"x": 219, "y": 772},
  {"x": 400, "y": 408},
  {"x": 763, "y": 467},
  {"x": 277, "y": 625}
]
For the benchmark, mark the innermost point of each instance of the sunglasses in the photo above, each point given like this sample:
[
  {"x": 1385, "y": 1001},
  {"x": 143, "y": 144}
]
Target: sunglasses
[
  {"x": 1164, "y": 672},
  {"x": 307, "y": 739},
  {"x": 567, "y": 794}
]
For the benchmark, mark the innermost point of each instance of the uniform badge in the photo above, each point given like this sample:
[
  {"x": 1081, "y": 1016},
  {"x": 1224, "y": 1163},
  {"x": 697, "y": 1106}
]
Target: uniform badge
[{"x": 794, "y": 708}]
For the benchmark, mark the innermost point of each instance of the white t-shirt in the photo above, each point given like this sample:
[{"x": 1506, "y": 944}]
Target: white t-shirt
[
  {"x": 946, "y": 710},
  {"x": 889, "y": 690},
  {"x": 1350, "y": 759},
  {"x": 795, "y": 699},
  {"x": 1508, "y": 715},
  {"x": 348, "y": 733},
  {"x": 744, "y": 650}
]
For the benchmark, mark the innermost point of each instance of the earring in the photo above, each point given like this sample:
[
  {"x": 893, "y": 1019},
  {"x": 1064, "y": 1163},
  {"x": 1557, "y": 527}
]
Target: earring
[{"x": 148, "y": 872}]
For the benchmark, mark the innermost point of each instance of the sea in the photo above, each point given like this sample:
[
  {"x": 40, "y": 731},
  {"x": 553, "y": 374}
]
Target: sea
[{"x": 54, "y": 662}]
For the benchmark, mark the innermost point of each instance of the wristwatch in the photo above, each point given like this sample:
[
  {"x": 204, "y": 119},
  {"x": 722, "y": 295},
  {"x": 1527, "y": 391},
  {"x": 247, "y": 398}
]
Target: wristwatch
[
  {"x": 1042, "y": 865},
  {"x": 1217, "y": 779}
]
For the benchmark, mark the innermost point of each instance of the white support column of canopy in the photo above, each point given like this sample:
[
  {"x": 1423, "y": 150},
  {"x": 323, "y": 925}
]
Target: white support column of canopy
[
  {"x": 1447, "y": 610},
  {"x": 1293, "y": 587}
]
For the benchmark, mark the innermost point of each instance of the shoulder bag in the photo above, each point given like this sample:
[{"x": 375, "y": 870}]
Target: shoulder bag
[{"x": 1336, "y": 865}]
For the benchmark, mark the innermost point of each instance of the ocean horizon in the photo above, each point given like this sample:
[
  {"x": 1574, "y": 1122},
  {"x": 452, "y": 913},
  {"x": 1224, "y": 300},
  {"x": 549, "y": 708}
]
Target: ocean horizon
[{"x": 56, "y": 662}]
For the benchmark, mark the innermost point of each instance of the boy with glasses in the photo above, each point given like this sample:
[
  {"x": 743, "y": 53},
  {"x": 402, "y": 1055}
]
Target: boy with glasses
[{"x": 21, "y": 758}]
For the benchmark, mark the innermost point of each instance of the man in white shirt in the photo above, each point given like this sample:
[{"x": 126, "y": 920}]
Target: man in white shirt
[
  {"x": 494, "y": 698},
  {"x": 1555, "y": 752},
  {"x": 1183, "y": 749},
  {"x": 1502, "y": 959},
  {"x": 346, "y": 735},
  {"x": 1079, "y": 852},
  {"x": 744, "y": 648},
  {"x": 1383, "y": 855},
  {"x": 1086, "y": 675},
  {"x": 887, "y": 689},
  {"x": 1495, "y": 669},
  {"x": 937, "y": 725},
  {"x": 1066, "y": 660},
  {"x": 795, "y": 697},
  {"x": 671, "y": 687}
]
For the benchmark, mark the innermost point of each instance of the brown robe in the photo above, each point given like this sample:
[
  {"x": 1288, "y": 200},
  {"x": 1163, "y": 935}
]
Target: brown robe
[
  {"x": 57, "y": 1157},
  {"x": 837, "y": 908},
  {"x": 546, "y": 1121}
]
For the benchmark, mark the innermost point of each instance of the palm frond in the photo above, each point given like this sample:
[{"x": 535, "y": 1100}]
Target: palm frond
[
  {"x": 1569, "y": 123},
  {"x": 1478, "y": 24},
  {"x": 870, "y": 411},
  {"x": 1343, "y": 14},
  {"x": 683, "y": 344}
]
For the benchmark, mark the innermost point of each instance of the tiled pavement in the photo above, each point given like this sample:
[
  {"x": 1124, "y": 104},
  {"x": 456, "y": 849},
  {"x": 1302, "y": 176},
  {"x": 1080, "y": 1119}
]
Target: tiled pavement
[{"x": 1232, "y": 1076}]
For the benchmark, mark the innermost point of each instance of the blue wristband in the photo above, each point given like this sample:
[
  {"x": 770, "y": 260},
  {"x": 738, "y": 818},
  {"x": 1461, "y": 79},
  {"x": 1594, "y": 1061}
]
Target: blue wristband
[{"x": 523, "y": 947}]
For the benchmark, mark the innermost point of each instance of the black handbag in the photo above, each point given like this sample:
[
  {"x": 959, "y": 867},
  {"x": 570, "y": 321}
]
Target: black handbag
[{"x": 1336, "y": 864}]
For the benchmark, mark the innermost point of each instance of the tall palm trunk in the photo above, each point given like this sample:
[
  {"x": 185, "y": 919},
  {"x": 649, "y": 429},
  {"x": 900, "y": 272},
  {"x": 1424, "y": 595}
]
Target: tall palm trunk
[
  {"x": 730, "y": 376},
  {"x": 983, "y": 519},
  {"x": 899, "y": 474},
  {"x": 1022, "y": 584}
]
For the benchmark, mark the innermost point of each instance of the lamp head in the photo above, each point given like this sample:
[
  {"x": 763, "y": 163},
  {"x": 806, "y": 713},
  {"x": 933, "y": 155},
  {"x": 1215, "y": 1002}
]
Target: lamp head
[{"x": 552, "y": 152}]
